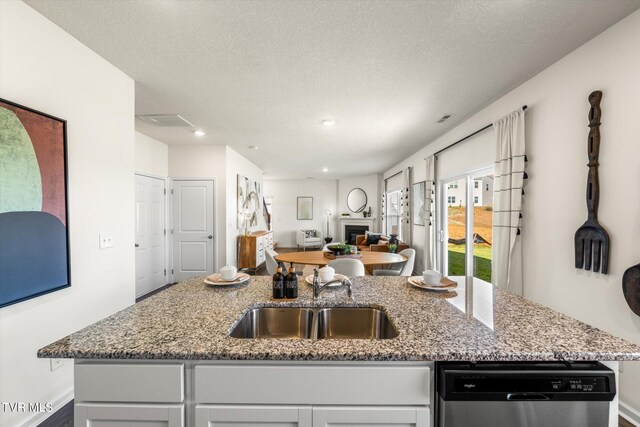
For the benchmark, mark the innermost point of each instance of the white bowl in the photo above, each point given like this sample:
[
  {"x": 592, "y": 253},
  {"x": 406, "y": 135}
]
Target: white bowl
[
  {"x": 431, "y": 277},
  {"x": 326, "y": 274}
]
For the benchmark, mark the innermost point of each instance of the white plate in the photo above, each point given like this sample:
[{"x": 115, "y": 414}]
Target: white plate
[
  {"x": 309, "y": 279},
  {"x": 217, "y": 280},
  {"x": 418, "y": 282}
]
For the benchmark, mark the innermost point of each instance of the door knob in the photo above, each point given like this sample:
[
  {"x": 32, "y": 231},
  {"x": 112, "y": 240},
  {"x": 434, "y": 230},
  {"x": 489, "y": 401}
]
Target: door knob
[
  {"x": 137, "y": 245},
  {"x": 209, "y": 236}
]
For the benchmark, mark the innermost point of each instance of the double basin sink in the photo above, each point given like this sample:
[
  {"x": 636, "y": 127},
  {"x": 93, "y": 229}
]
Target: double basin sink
[{"x": 315, "y": 323}]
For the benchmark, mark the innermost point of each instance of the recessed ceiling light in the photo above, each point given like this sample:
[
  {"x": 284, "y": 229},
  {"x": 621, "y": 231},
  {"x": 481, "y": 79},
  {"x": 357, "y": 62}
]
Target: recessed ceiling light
[
  {"x": 253, "y": 147},
  {"x": 328, "y": 123},
  {"x": 199, "y": 132},
  {"x": 325, "y": 169}
]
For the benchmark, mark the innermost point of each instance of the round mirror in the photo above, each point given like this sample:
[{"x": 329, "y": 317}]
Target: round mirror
[{"x": 357, "y": 200}]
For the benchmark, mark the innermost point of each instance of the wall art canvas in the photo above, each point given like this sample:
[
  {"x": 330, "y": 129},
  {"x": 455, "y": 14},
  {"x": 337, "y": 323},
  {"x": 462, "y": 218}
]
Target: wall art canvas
[
  {"x": 305, "y": 208},
  {"x": 245, "y": 187},
  {"x": 417, "y": 199},
  {"x": 34, "y": 237}
]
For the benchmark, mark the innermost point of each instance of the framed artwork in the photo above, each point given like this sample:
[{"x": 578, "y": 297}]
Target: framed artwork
[
  {"x": 417, "y": 200},
  {"x": 244, "y": 189},
  {"x": 34, "y": 225},
  {"x": 305, "y": 208}
]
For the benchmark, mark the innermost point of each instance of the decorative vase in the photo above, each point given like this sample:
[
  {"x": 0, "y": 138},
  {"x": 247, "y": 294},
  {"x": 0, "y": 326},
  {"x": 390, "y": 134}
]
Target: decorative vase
[
  {"x": 328, "y": 240},
  {"x": 364, "y": 214},
  {"x": 393, "y": 240},
  {"x": 392, "y": 248}
]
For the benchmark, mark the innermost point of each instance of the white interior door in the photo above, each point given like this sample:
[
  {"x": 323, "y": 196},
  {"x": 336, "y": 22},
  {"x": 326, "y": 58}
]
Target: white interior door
[
  {"x": 150, "y": 234},
  {"x": 193, "y": 239}
]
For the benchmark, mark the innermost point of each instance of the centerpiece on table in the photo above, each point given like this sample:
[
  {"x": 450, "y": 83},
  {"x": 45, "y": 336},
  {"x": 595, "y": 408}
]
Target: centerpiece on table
[{"x": 342, "y": 250}]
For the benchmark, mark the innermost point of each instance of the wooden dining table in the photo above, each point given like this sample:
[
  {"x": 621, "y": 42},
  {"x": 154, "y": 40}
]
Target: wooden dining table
[{"x": 318, "y": 258}]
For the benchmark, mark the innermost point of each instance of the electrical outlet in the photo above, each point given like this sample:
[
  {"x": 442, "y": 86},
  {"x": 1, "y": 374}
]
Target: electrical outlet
[
  {"x": 106, "y": 240},
  {"x": 56, "y": 363}
]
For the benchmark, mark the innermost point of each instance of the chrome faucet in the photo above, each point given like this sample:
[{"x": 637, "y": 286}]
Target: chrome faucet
[{"x": 318, "y": 288}]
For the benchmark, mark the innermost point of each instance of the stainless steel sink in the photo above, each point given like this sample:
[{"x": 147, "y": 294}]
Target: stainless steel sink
[
  {"x": 315, "y": 323},
  {"x": 354, "y": 323},
  {"x": 275, "y": 322}
]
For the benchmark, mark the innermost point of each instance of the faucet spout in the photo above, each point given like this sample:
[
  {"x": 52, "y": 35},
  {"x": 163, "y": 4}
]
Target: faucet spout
[{"x": 319, "y": 288}]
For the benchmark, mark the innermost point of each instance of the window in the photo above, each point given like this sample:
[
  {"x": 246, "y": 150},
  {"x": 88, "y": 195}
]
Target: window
[
  {"x": 467, "y": 226},
  {"x": 393, "y": 213}
]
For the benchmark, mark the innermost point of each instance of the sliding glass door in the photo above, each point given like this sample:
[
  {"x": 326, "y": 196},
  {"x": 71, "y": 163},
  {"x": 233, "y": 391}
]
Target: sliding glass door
[{"x": 466, "y": 226}]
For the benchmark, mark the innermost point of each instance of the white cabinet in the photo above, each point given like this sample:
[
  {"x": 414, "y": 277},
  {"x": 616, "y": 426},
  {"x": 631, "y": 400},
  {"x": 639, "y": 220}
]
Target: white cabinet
[
  {"x": 363, "y": 416},
  {"x": 249, "y": 416},
  {"x": 127, "y": 415}
]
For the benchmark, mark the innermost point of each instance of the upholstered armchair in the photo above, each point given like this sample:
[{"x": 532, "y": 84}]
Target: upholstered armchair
[{"x": 309, "y": 239}]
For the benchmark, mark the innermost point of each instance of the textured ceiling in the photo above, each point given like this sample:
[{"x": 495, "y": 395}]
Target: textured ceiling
[{"x": 266, "y": 73}]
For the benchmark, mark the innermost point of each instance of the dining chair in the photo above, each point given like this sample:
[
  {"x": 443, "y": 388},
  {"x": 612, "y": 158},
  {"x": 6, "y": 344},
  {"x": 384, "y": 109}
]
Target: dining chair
[
  {"x": 402, "y": 268},
  {"x": 348, "y": 267},
  {"x": 272, "y": 264}
]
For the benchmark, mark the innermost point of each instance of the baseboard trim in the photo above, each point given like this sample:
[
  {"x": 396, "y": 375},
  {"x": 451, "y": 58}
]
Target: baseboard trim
[
  {"x": 57, "y": 404},
  {"x": 629, "y": 413}
]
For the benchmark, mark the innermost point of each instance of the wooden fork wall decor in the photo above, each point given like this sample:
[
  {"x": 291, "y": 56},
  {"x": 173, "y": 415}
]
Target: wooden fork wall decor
[{"x": 592, "y": 240}]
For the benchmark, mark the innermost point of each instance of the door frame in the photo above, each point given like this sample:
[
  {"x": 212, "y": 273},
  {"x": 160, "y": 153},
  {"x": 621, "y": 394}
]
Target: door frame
[
  {"x": 216, "y": 239},
  {"x": 168, "y": 278},
  {"x": 468, "y": 178}
]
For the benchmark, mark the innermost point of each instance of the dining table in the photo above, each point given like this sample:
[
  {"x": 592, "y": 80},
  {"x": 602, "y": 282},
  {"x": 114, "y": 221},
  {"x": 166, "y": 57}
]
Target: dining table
[{"x": 319, "y": 258}]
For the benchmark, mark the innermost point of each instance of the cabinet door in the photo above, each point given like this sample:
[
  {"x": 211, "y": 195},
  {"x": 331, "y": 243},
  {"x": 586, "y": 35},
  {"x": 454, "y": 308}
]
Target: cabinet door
[
  {"x": 125, "y": 415},
  {"x": 248, "y": 416},
  {"x": 376, "y": 416}
]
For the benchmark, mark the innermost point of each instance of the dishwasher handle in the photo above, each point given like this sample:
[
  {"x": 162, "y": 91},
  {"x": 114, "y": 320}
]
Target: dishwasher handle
[{"x": 527, "y": 396}]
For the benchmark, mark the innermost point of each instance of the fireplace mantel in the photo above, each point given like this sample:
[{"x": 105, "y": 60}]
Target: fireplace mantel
[{"x": 344, "y": 221}]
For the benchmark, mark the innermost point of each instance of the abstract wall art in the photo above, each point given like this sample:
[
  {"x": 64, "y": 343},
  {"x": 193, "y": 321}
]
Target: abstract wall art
[{"x": 34, "y": 238}]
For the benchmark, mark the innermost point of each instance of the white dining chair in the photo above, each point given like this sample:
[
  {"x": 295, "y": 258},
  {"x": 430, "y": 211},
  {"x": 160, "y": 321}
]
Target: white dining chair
[
  {"x": 348, "y": 267},
  {"x": 272, "y": 264},
  {"x": 402, "y": 268}
]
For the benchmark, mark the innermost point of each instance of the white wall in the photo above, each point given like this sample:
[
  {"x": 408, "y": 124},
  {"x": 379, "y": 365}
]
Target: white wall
[
  {"x": 205, "y": 161},
  {"x": 554, "y": 202},
  {"x": 369, "y": 183},
  {"x": 237, "y": 164},
  {"x": 151, "y": 155},
  {"x": 284, "y": 207},
  {"x": 45, "y": 68}
]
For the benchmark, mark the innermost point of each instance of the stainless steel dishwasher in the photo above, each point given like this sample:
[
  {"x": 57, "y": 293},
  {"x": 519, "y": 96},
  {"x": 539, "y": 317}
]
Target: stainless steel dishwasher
[{"x": 553, "y": 394}]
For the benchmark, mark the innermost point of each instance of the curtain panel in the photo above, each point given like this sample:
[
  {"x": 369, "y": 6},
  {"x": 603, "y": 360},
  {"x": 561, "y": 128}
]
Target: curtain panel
[
  {"x": 429, "y": 215},
  {"x": 508, "y": 195},
  {"x": 405, "y": 212}
]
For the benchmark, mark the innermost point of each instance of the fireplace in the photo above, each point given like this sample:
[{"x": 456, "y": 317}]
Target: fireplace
[{"x": 351, "y": 231}]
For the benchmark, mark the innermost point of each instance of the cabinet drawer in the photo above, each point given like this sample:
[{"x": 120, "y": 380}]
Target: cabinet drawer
[
  {"x": 119, "y": 415},
  {"x": 319, "y": 385},
  {"x": 129, "y": 383}
]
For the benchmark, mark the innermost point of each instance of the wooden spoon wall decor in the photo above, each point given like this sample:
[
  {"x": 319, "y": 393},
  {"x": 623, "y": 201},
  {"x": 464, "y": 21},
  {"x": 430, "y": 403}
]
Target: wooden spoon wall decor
[{"x": 591, "y": 239}]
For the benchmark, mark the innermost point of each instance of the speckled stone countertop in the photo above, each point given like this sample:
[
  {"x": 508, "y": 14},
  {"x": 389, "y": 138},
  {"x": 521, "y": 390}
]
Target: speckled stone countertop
[{"x": 476, "y": 322}]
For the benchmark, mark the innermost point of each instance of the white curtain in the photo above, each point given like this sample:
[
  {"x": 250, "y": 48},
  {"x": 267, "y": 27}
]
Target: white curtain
[
  {"x": 508, "y": 193},
  {"x": 405, "y": 203},
  {"x": 429, "y": 215}
]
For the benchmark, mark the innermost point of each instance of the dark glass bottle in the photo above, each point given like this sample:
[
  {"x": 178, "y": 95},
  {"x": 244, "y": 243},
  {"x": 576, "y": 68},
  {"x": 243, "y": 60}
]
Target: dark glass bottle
[
  {"x": 278, "y": 284},
  {"x": 291, "y": 284}
]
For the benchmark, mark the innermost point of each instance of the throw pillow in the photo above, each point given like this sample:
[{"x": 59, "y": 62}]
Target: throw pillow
[
  {"x": 372, "y": 238},
  {"x": 310, "y": 233}
]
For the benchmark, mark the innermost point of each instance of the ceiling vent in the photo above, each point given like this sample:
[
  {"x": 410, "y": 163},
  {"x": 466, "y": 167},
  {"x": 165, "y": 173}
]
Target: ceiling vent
[
  {"x": 443, "y": 118},
  {"x": 165, "y": 120}
]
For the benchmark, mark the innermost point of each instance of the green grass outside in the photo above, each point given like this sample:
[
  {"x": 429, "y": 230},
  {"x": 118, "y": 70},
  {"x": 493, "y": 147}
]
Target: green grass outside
[{"x": 481, "y": 259}]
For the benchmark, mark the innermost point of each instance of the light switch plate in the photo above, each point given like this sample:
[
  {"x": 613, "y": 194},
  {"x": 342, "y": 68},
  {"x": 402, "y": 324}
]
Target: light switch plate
[{"x": 106, "y": 240}]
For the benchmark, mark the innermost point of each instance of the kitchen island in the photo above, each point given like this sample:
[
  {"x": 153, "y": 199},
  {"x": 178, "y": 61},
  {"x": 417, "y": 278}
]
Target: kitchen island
[{"x": 171, "y": 358}]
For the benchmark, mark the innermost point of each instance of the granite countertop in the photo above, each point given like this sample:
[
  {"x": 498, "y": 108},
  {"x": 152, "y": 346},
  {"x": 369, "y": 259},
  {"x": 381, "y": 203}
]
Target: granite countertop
[{"x": 476, "y": 322}]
